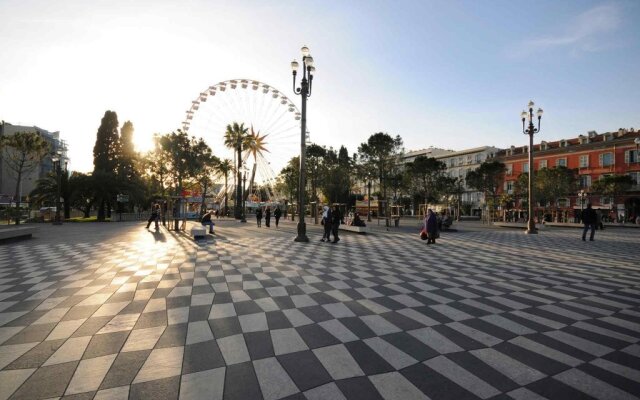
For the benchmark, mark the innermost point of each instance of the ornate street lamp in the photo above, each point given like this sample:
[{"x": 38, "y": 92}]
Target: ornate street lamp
[
  {"x": 582, "y": 195},
  {"x": 304, "y": 91},
  {"x": 57, "y": 165},
  {"x": 244, "y": 195},
  {"x": 531, "y": 130}
]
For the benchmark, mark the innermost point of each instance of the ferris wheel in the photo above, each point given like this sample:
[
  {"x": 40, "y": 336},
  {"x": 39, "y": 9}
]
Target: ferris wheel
[{"x": 271, "y": 118}]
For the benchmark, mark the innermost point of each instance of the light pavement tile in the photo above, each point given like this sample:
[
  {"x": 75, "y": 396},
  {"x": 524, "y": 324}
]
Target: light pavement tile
[
  {"x": 161, "y": 363},
  {"x": 507, "y": 324},
  {"x": 391, "y": 354},
  {"x": 325, "y": 392},
  {"x": 475, "y": 334},
  {"x": 338, "y": 310},
  {"x": 220, "y": 287},
  {"x": 9, "y": 353},
  {"x": 177, "y": 315},
  {"x": 462, "y": 377},
  {"x": 119, "y": 323},
  {"x": 52, "y": 316},
  {"x": 51, "y": 302},
  {"x": 563, "y": 312},
  {"x": 623, "y": 323},
  {"x": 8, "y": 332},
  {"x": 274, "y": 381},
  {"x": 435, "y": 340},
  {"x": 394, "y": 386},
  {"x": 95, "y": 300},
  {"x": 116, "y": 393},
  {"x": 539, "y": 320},
  {"x": 541, "y": 349},
  {"x": 338, "y": 362},
  {"x": 277, "y": 291},
  {"x": 303, "y": 300},
  {"x": 234, "y": 349},
  {"x": 525, "y": 394},
  {"x": 89, "y": 374},
  {"x": 634, "y": 350},
  {"x": 143, "y": 339},
  {"x": 407, "y": 301},
  {"x": 379, "y": 325},
  {"x": 71, "y": 350},
  {"x": 199, "y": 331},
  {"x": 513, "y": 369},
  {"x": 109, "y": 309},
  {"x": 267, "y": 304},
  {"x": 374, "y": 307},
  {"x": 202, "y": 299},
  {"x": 207, "y": 384},
  {"x": 629, "y": 373},
  {"x": 248, "y": 285},
  {"x": 451, "y": 312},
  {"x": 127, "y": 287},
  {"x": 168, "y": 283},
  {"x": 585, "y": 345},
  {"x": 296, "y": 317},
  {"x": 287, "y": 341},
  {"x": 418, "y": 317},
  {"x": 180, "y": 291},
  {"x": 11, "y": 380},
  {"x": 253, "y": 322},
  {"x": 337, "y": 329},
  {"x": 338, "y": 295},
  {"x": 155, "y": 305},
  {"x": 481, "y": 306},
  {"x": 367, "y": 293},
  {"x": 223, "y": 310},
  {"x": 65, "y": 329},
  {"x": 592, "y": 386},
  {"x": 605, "y": 332}
]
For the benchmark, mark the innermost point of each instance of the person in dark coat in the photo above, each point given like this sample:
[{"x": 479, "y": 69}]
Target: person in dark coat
[
  {"x": 326, "y": 222},
  {"x": 431, "y": 226},
  {"x": 336, "y": 219},
  {"x": 206, "y": 221},
  {"x": 267, "y": 217},
  {"x": 589, "y": 219},
  {"x": 259, "y": 217},
  {"x": 155, "y": 215},
  {"x": 276, "y": 214}
]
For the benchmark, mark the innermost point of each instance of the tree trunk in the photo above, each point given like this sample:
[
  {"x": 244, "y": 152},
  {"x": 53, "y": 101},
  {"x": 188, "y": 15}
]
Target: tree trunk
[
  {"x": 226, "y": 195},
  {"x": 18, "y": 196},
  {"x": 101, "y": 211}
]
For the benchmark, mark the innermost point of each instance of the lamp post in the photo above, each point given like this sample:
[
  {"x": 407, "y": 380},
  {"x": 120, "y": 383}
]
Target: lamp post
[
  {"x": 531, "y": 130},
  {"x": 369, "y": 200},
  {"x": 305, "y": 92},
  {"x": 582, "y": 195},
  {"x": 57, "y": 165},
  {"x": 244, "y": 195}
]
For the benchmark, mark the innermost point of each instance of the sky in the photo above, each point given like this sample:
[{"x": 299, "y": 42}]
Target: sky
[{"x": 449, "y": 74}]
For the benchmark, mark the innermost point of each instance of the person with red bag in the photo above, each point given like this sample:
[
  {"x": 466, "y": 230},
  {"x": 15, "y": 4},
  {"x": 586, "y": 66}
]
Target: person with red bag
[{"x": 430, "y": 228}]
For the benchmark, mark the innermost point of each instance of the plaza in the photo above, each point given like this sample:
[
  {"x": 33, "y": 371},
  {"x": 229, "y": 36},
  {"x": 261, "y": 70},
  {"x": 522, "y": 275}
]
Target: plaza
[{"x": 116, "y": 311}]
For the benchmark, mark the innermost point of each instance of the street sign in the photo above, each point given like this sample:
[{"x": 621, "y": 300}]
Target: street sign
[{"x": 123, "y": 198}]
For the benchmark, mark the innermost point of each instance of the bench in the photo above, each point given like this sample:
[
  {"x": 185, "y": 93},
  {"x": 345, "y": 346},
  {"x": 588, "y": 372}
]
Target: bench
[
  {"x": 351, "y": 228},
  {"x": 198, "y": 232},
  {"x": 17, "y": 233}
]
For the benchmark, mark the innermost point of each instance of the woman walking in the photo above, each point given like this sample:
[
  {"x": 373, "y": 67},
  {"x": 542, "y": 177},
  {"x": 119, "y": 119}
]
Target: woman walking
[
  {"x": 431, "y": 226},
  {"x": 336, "y": 220},
  {"x": 259, "y": 216},
  {"x": 276, "y": 214},
  {"x": 326, "y": 222},
  {"x": 267, "y": 217}
]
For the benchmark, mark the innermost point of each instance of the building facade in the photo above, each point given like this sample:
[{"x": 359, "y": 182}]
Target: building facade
[
  {"x": 592, "y": 156},
  {"x": 8, "y": 178}
]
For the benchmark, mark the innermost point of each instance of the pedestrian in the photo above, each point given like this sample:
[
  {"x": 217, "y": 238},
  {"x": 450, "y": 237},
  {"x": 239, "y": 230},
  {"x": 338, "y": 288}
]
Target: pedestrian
[
  {"x": 259, "y": 217},
  {"x": 276, "y": 214},
  {"x": 598, "y": 221},
  {"x": 336, "y": 219},
  {"x": 206, "y": 221},
  {"x": 267, "y": 217},
  {"x": 155, "y": 215},
  {"x": 590, "y": 220},
  {"x": 326, "y": 222},
  {"x": 431, "y": 226}
]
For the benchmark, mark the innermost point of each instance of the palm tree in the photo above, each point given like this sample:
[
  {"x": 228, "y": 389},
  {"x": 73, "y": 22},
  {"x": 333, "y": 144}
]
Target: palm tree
[
  {"x": 234, "y": 137},
  {"x": 254, "y": 145},
  {"x": 225, "y": 167}
]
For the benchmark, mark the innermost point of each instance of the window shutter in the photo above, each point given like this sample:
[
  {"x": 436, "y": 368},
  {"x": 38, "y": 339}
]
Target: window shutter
[
  {"x": 588, "y": 180},
  {"x": 600, "y": 158},
  {"x": 626, "y": 156}
]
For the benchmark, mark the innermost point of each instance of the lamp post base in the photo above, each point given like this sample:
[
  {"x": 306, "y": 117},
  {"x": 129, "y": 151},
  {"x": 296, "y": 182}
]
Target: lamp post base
[
  {"x": 531, "y": 231},
  {"x": 302, "y": 233}
]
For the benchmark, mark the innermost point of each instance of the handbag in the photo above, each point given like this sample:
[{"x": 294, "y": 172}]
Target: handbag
[{"x": 424, "y": 235}]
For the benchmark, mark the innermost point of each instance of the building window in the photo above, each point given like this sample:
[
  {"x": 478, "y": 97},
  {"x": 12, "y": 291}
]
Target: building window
[
  {"x": 525, "y": 167},
  {"x": 606, "y": 159},
  {"x": 563, "y": 203},
  {"x": 543, "y": 145},
  {"x": 561, "y": 162},
  {"x": 542, "y": 164},
  {"x": 509, "y": 169},
  {"x": 469, "y": 159},
  {"x": 585, "y": 181},
  {"x": 459, "y": 160},
  {"x": 636, "y": 179},
  {"x": 605, "y": 200},
  {"x": 508, "y": 187},
  {"x": 478, "y": 158},
  {"x": 584, "y": 161},
  {"x": 631, "y": 156}
]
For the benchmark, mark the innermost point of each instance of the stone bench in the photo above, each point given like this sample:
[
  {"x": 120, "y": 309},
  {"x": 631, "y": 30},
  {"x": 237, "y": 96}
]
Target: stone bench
[
  {"x": 16, "y": 233},
  {"x": 198, "y": 231},
  {"x": 351, "y": 228}
]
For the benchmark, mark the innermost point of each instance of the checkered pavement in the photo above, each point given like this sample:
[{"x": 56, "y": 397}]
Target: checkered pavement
[{"x": 486, "y": 314}]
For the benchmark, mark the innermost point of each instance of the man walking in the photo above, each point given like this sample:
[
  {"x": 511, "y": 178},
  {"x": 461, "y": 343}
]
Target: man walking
[{"x": 589, "y": 219}]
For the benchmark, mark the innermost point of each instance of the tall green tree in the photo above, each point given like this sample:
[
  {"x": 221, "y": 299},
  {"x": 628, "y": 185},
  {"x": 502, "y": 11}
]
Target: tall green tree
[
  {"x": 426, "y": 177},
  {"x": 81, "y": 187},
  {"x": 487, "y": 179},
  {"x": 315, "y": 168},
  {"x": 225, "y": 167},
  {"x": 46, "y": 191},
  {"x": 381, "y": 151},
  {"x": 555, "y": 183},
  {"x": 23, "y": 152},
  {"x": 613, "y": 186},
  {"x": 204, "y": 166},
  {"x": 106, "y": 152},
  {"x": 178, "y": 147},
  {"x": 234, "y": 137}
]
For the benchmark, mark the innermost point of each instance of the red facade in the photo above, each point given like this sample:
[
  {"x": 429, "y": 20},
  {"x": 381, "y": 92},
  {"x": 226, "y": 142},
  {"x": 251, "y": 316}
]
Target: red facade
[{"x": 592, "y": 156}]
